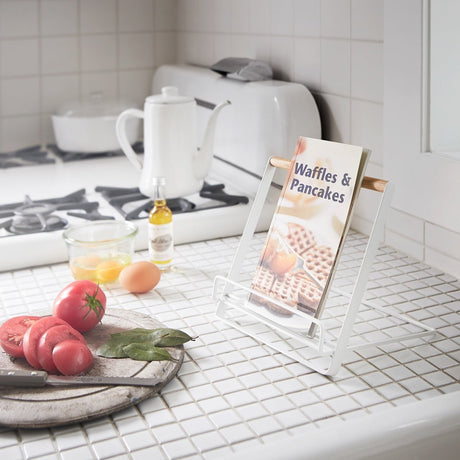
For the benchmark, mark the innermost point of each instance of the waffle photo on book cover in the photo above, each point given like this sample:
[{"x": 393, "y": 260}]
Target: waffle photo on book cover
[{"x": 309, "y": 226}]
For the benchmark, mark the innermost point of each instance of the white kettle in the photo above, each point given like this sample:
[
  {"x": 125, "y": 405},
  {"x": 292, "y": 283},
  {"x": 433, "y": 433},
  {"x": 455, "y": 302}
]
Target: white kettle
[{"x": 170, "y": 145}]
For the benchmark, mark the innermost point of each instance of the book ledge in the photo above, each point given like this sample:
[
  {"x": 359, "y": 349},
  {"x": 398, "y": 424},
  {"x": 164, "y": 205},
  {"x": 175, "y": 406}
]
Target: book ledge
[{"x": 347, "y": 323}]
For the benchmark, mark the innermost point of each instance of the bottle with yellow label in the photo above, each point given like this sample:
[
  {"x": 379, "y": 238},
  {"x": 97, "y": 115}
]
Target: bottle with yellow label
[{"x": 161, "y": 245}]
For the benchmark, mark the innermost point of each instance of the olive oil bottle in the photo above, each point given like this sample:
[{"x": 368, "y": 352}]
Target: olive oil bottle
[{"x": 161, "y": 245}]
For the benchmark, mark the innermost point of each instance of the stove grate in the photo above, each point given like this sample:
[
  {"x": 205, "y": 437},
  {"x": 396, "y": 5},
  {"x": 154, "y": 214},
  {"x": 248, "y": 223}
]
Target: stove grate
[
  {"x": 37, "y": 216},
  {"x": 120, "y": 197}
]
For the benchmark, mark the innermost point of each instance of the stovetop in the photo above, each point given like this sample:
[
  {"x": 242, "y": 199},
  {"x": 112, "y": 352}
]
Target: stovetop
[
  {"x": 46, "y": 215},
  {"x": 69, "y": 192}
]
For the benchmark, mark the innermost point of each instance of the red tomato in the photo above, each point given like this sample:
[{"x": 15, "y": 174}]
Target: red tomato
[
  {"x": 72, "y": 357},
  {"x": 50, "y": 339},
  {"x": 33, "y": 335},
  {"x": 82, "y": 304},
  {"x": 12, "y": 333}
]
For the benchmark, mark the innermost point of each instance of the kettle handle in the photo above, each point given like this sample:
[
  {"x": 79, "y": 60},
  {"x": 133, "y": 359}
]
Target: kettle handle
[{"x": 123, "y": 138}]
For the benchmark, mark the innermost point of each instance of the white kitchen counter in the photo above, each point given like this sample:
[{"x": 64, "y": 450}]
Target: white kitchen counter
[{"x": 232, "y": 395}]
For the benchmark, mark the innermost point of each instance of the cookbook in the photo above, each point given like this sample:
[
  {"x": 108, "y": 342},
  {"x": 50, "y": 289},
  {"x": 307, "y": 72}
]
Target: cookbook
[{"x": 308, "y": 229}]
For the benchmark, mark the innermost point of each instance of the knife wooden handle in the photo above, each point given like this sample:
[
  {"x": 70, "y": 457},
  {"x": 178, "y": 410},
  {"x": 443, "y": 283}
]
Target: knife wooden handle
[{"x": 21, "y": 378}]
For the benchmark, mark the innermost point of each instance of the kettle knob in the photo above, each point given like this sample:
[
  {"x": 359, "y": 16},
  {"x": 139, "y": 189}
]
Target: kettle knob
[{"x": 169, "y": 91}]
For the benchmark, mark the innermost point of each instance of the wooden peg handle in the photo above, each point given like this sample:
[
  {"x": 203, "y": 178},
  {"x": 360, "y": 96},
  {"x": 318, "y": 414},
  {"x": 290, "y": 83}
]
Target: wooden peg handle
[{"x": 370, "y": 183}]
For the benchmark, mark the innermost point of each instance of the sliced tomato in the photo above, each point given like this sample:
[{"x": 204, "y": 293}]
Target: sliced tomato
[
  {"x": 50, "y": 339},
  {"x": 72, "y": 357},
  {"x": 33, "y": 335},
  {"x": 12, "y": 333}
]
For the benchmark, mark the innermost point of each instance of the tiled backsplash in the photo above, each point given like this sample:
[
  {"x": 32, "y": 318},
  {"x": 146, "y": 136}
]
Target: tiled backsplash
[
  {"x": 58, "y": 51},
  {"x": 52, "y": 51},
  {"x": 335, "y": 48}
]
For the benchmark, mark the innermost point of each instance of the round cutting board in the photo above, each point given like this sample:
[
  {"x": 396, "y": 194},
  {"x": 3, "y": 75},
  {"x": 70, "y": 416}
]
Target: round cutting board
[{"x": 52, "y": 406}]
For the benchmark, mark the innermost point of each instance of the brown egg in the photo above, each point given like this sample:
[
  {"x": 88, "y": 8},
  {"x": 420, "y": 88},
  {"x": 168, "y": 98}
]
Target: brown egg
[{"x": 140, "y": 277}]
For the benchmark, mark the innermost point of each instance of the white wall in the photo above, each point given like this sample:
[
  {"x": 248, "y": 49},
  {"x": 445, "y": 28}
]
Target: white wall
[
  {"x": 51, "y": 50},
  {"x": 335, "y": 48}
]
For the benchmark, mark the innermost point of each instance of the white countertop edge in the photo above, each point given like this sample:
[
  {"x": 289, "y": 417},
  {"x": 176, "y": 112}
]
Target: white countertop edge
[{"x": 424, "y": 429}]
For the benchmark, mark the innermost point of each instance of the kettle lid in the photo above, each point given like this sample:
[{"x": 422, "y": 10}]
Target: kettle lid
[{"x": 169, "y": 95}]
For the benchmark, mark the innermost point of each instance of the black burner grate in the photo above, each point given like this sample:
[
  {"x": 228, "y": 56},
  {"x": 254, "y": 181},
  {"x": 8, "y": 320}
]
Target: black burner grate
[
  {"x": 37, "y": 216},
  {"x": 33, "y": 155},
  {"x": 120, "y": 198},
  {"x": 76, "y": 156}
]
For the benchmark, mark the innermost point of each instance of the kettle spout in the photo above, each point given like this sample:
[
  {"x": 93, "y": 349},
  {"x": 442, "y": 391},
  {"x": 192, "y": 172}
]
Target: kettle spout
[{"x": 203, "y": 159}]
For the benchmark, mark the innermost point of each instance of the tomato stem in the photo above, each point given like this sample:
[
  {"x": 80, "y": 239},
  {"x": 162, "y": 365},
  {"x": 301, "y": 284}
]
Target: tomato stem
[{"x": 94, "y": 304}]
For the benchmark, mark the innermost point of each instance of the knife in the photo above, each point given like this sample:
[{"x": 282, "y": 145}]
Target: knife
[{"x": 24, "y": 378}]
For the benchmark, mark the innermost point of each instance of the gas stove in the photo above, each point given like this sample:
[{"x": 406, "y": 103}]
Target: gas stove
[
  {"x": 53, "y": 190},
  {"x": 64, "y": 194}
]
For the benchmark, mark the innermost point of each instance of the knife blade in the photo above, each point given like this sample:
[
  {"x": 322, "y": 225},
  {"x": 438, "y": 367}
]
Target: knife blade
[{"x": 25, "y": 378}]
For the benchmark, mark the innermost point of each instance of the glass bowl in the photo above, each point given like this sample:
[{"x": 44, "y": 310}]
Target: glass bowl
[{"x": 98, "y": 251}]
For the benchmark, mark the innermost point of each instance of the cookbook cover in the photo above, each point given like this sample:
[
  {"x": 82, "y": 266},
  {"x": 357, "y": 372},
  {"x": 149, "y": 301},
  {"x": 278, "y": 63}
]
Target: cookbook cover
[{"x": 308, "y": 229}]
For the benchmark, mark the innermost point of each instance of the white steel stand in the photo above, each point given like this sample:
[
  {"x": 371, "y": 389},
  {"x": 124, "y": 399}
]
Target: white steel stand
[{"x": 326, "y": 348}]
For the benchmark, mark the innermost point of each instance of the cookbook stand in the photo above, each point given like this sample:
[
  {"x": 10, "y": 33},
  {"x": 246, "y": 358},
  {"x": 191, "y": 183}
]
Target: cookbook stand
[{"x": 348, "y": 323}]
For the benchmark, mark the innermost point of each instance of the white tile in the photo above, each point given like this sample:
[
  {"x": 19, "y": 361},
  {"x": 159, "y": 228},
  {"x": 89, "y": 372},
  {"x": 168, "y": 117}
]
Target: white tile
[
  {"x": 58, "y": 17},
  {"x": 136, "y": 51},
  {"x": 138, "y": 440},
  {"x": 19, "y": 57},
  {"x": 165, "y": 14},
  {"x": 343, "y": 404},
  {"x": 443, "y": 262},
  {"x": 258, "y": 47},
  {"x": 367, "y": 127},
  {"x": 282, "y": 57},
  {"x": 335, "y": 67},
  {"x": 109, "y": 448},
  {"x": 442, "y": 240},
  {"x": 135, "y": 15},
  {"x": 165, "y": 48},
  {"x": 98, "y": 17},
  {"x": 208, "y": 441},
  {"x": 405, "y": 225},
  {"x": 307, "y": 18},
  {"x": 335, "y": 18},
  {"x": 367, "y": 70},
  {"x": 318, "y": 411},
  {"x": 282, "y": 17},
  {"x": 178, "y": 449},
  {"x": 307, "y": 62},
  {"x": 368, "y": 398},
  {"x": 367, "y": 19},
  {"x": 392, "y": 391},
  {"x": 59, "y": 55},
  {"x": 98, "y": 52},
  {"x": 236, "y": 433},
  {"x": 38, "y": 448},
  {"x": 18, "y": 18},
  {"x": 194, "y": 48},
  {"x": 438, "y": 378},
  {"x": 58, "y": 90},
  {"x": 240, "y": 45},
  {"x": 222, "y": 16},
  {"x": 240, "y": 16},
  {"x": 259, "y": 17},
  {"x": 335, "y": 112},
  {"x": 20, "y": 96},
  {"x": 406, "y": 245},
  {"x": 19, "y": 132},
  {"x": 264, "y": 425},
  {"x": 105, "y": 83}
]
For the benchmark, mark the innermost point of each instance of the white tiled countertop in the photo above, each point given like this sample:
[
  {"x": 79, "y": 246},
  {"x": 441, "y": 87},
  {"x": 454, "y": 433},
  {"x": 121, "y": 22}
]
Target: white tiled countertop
[{"x": 232, "y": 393}]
